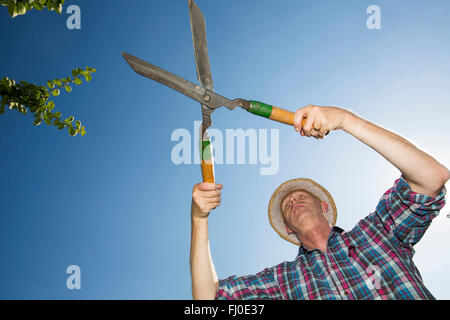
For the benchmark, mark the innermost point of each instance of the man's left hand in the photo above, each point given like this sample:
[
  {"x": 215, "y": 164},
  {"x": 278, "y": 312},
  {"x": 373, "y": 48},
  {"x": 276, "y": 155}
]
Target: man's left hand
[{"x": 319, "y": 120}]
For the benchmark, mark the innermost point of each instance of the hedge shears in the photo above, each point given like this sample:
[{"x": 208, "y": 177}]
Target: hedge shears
[{"x": 204, "y": 93}]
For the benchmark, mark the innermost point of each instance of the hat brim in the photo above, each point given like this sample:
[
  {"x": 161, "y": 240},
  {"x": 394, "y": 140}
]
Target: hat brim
[{"x": 274, "y": 210}]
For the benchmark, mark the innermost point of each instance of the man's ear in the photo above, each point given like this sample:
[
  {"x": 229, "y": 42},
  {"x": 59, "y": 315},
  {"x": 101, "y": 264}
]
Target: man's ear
[
  {"x": 324, "y": 207},
  {"x": 288, "y": 230}
]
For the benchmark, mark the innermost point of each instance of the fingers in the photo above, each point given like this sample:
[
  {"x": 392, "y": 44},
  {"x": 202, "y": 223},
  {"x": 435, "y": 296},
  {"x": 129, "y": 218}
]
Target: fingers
[
  {"x": 311, "y": 122},
  {"x": 299, "y": 116},
  {"x": 210, "y": 194},
  {"x": 207, "y": 186},
  {"x": 206, "y": 197},
  {"x": 322, "y": 131},
  {"x": 308, "y": 127},
  {"x": 311, "y": 126},
  {"x": 212, "y": 191},
  {"x": 213, "y": 204}
]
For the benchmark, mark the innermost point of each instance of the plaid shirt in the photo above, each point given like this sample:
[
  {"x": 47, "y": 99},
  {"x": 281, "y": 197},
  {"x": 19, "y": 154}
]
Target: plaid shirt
[{"x": 372, "y": 261}]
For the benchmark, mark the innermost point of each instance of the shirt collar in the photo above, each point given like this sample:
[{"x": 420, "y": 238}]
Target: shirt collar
[{"x": 303, "y": 250}]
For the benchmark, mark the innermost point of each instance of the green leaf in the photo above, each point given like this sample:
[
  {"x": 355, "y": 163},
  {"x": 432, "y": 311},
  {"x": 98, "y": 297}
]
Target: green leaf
[
  {"x": 12, "y": 9},
  {"x": 68, "y": 88},
  {"x": 88, "y": 77},
  {"x": 20, "y": 8},
  {"x": 71, "y": 119},
  {"x": 78, "y": 81},
  {"x": 56, "y": 92},
  {"x": 51, "y": 105},
  {"x": 38, "y": 5},
  {"x": 37, "y": 122},
  {"x": 72, "y": 132},
  {"x": 83, "y": 131},
  {"x": 50, "y": 84},
  {"x": 57, "y": 82}
]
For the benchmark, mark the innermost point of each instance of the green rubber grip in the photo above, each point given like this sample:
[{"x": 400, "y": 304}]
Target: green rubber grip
[
  {"x": 260, "y": 108},
  {"x": 205, "y": 147}
]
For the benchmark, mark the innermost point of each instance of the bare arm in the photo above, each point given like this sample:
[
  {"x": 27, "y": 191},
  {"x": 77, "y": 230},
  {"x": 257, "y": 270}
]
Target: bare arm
[
  {"x": 422, "y": 172},
  {"x": 205, "y": 197}
]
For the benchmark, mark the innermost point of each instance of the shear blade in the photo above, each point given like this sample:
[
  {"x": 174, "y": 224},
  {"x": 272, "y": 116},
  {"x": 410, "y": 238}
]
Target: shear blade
[{"x": 198, "y": 28}]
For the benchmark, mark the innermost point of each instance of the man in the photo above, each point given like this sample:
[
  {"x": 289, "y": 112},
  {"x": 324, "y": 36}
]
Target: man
[{"x": 372, "y": 261}]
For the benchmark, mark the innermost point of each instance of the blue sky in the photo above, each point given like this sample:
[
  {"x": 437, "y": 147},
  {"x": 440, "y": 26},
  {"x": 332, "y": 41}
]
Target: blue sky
[{"x": 115, "y": 204}]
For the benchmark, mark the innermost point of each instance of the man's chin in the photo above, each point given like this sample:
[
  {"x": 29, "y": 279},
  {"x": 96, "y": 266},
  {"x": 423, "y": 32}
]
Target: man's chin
[
  {"x": 305, "y": 222},
  {"x": 301, "y": 213}
]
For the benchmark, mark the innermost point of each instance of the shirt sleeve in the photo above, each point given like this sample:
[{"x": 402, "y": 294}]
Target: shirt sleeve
[
  {"x": 406, "y": 214},
  {"x": 259, "y": 286}
]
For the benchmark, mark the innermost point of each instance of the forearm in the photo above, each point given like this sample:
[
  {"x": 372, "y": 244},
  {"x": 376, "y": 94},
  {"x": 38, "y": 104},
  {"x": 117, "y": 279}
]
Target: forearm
[
  {"x": 204, "y": 278},
  {"x": 423, "y": 173}
]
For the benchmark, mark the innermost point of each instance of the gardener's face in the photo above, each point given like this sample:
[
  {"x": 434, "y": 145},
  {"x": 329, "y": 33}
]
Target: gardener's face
[{"x": 302, "y": 211}]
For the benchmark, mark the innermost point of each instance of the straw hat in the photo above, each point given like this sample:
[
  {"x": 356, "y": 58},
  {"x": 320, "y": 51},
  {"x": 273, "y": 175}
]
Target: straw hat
[{"x": 275, "y": 214}]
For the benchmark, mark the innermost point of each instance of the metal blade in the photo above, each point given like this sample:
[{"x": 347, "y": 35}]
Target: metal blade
[
  {"x": 162, "y": 76},
  {"x": 198, "y": 27},
  {"x": 210, "y": 99}
]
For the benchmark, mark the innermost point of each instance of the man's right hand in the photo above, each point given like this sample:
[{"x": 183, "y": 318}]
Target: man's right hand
[{"x": 205, "y": 197}]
